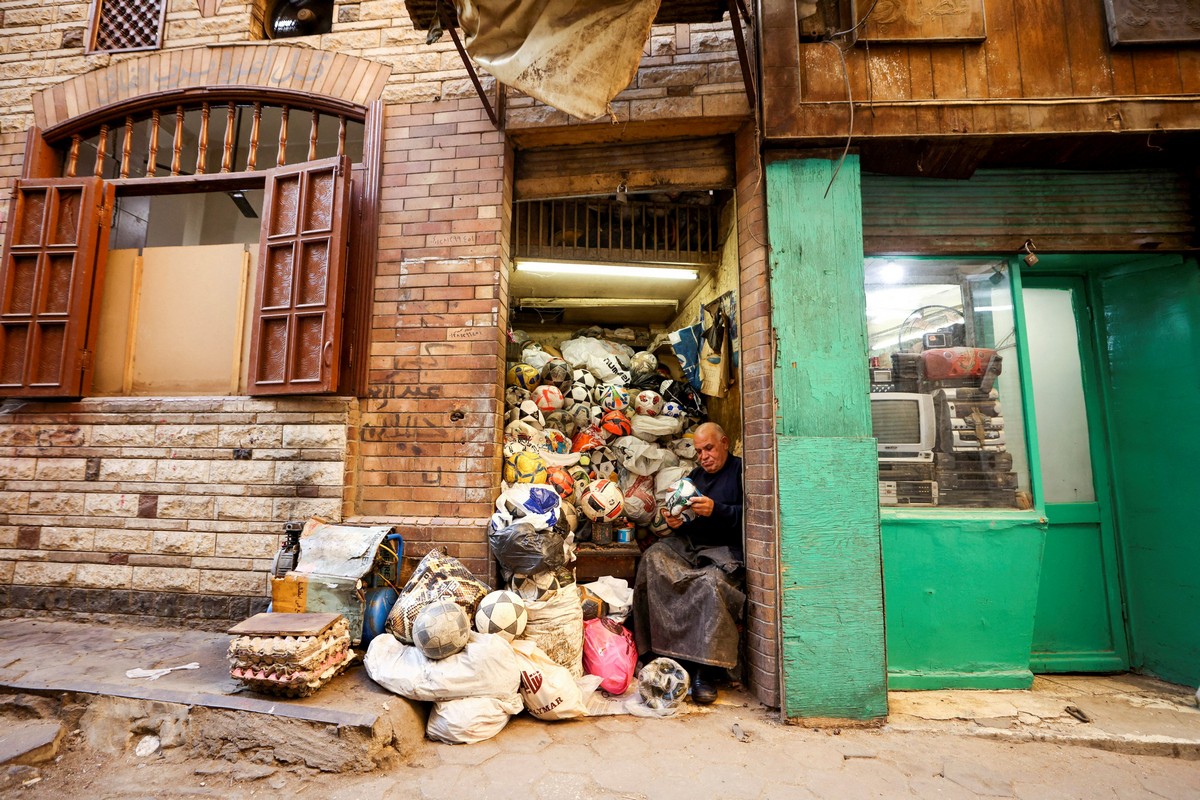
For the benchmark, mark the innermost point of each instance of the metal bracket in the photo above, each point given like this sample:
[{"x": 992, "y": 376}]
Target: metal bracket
[
  {"x": 462, "y": 53},
  {"x": 738, "y": 13}
]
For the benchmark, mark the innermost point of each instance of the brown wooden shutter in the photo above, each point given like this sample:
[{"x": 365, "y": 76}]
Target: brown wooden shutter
[
  {"x": 51, "y": 282},
  {"x": 296, "y": 340}
]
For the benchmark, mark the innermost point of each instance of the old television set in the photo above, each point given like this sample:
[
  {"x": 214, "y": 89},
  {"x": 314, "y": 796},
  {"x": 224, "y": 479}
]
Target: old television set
[{"x": 904, "y": 426}]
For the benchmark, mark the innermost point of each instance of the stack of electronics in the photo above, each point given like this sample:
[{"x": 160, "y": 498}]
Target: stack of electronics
[{"x": 936, "y": 416}]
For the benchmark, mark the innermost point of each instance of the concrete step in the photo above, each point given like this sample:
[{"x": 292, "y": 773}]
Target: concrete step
[
  {"x": 79, "y": 670},
  {"x": 30, "y": 742}
]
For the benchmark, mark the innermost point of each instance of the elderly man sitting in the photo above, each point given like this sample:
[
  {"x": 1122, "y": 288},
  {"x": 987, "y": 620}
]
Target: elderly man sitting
[{"x": 688, "y": 595}]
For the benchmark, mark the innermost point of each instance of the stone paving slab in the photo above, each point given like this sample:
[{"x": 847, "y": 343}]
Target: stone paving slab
[
  {"x": 57, "y": 656},
  {"x": 30, "y": 742}
]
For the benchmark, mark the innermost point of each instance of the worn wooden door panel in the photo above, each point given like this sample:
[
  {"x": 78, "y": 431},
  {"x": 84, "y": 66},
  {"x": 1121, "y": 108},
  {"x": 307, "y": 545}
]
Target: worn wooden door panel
[
  {"x": 52, "y": 274},
  {"x": 296, "y": 339}
]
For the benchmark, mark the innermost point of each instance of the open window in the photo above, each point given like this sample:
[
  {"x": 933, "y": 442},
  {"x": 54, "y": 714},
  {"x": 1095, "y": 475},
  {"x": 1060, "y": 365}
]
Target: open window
[{"x": 222, "y": 277}]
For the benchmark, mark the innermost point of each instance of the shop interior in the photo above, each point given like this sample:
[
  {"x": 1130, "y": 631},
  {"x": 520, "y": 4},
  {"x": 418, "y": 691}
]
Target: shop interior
[{"x": 637, "y": 266}]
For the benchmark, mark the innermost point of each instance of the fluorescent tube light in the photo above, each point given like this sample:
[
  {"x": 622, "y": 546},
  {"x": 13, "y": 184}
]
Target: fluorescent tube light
[
  {"x": 608, "y": 270},
  {"x": 590, "y": 302}
]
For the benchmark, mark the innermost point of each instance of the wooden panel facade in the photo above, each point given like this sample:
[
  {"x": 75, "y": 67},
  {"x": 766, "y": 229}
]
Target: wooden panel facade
[{"x": 1046, "y": 66}]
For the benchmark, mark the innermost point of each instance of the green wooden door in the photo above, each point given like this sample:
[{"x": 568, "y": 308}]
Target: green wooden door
[{"x": 1079, "y": 626}]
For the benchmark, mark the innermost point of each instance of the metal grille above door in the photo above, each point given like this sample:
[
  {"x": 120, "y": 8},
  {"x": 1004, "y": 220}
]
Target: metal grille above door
[{"x": 1060, "y": 210}]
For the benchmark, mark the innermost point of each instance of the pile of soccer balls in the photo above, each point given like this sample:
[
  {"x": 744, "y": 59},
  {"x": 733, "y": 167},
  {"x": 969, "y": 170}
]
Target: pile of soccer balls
[{"x": 569, "y": 430}]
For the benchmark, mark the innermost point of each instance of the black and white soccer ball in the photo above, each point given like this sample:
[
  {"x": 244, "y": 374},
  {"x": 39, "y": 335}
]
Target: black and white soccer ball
[
  {"x": 529, "y": 413},
  {"x": 441, "y": 629},
  {"x": 585, "y": 378},
  {"x": 502, "y": 613},
  {"x": 536, "y": 587}
]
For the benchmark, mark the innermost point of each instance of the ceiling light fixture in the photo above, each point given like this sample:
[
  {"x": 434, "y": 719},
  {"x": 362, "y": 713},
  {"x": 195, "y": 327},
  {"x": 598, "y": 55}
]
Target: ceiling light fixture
[
  {"x": 590, "y": 302},
  {"x": 586, "y": 269}
]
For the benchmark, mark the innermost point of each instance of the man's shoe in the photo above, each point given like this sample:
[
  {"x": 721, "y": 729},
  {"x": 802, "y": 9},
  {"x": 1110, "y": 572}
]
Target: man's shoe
[{"x": 703, "y": 692}]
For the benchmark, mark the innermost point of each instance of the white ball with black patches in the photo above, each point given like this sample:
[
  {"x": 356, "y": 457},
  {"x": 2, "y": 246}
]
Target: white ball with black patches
[
  {"x": 529, "y": 413},
  {"x": 502, "y": 613}
]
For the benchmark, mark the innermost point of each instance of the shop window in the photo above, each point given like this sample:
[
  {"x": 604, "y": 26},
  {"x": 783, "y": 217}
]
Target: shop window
[
  {"x": 124, "y": 25},
  {"x": 946, "y": 402}
]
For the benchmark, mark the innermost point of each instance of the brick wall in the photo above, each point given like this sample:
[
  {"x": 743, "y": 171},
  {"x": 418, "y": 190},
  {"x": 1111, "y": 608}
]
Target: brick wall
[
  {"x": 120, "y": 505},
  {"x": 431, "y": 424},
  {"x": 758, "y": 414}
]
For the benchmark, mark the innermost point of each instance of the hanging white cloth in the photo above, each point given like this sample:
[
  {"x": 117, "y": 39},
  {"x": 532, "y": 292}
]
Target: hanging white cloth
[{"x": 574, "y": 55}]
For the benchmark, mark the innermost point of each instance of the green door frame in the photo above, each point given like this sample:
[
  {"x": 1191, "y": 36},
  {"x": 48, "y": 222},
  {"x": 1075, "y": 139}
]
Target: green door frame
[{"x": 1084, "y": 294}]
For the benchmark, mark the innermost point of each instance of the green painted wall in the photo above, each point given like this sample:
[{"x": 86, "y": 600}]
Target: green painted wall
[
  {"x": 961, "y": 593},
  {"x": 1151, "y": 325},
  {"x": 831, "y": 590}
]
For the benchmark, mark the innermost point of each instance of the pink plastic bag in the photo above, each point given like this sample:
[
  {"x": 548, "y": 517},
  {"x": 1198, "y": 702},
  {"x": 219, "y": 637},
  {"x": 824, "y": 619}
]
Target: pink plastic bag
[{"x": 609, "y": 652}]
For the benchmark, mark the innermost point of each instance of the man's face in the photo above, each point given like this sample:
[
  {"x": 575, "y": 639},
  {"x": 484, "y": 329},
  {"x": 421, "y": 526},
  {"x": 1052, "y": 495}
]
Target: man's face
[{"x": 712, "y": 449}]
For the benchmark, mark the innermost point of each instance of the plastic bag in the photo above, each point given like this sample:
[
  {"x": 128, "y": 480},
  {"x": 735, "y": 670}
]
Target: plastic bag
[
  {"x": 486, "y": 667},
  {"x": 521, "y": 548},
  {"x": 547, "y": 688},
  {"x": 616, "y": 592},
  {"x": 437, "y": 577},
  {"x": 556, "y": 625},
  {"x": 609, "y": 651},
  {"x": 686, "y": 344},
  {"x": 580, "y": 350},
  {"x": 641, "y": 457},
  {"x": 535, "y": 356},
  {"x": 471, "y": 719},
  {"x": 652, "y": 428},
  {"x": 534, "y": 504}
]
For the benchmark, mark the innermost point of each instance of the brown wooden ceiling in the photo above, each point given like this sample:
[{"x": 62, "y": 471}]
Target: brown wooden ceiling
[{"x": 671, "y": 12}]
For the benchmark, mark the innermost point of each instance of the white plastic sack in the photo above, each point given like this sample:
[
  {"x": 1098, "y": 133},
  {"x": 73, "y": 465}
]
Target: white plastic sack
[
  {"x": 580, "y": 350},
  {"x": 616, "y": 592},
  {"x": 535, "y": 357},
  {"x": 652, "y": 428},
  {"x": 486, "y": 667},
  {"x": 556, "y": 626},
  {"x": 547, "y": 688},
  {"x": 641, "y": 457},
  {"x": 553, "y": 459},
  {"x": 471, "y": 719}
]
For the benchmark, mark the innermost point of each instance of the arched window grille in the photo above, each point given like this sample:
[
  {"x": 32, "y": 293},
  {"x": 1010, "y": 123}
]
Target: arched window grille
[{"x": 207, "y": 138}]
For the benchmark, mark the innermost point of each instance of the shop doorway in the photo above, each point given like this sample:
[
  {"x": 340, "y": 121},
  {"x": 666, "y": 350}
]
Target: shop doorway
[{"x": 1080, "y": 621}]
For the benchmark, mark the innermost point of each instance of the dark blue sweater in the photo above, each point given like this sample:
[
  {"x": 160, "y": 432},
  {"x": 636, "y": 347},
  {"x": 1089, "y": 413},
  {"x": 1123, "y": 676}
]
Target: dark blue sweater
[{"x": 724, "y": 527}]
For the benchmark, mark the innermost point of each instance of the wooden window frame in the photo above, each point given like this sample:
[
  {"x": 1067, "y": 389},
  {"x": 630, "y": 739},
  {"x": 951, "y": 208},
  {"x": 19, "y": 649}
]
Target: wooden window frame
[
  {"x": 96, "y": 11},
  {"x": 44, "y": 160}
]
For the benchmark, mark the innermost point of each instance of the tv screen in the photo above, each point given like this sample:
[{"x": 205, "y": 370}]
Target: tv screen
[{"x": 896, "y": 421}]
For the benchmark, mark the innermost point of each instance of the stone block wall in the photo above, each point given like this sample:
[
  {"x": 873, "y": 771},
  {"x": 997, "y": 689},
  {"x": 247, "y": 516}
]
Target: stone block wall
[{"x": 162, "y": 507}]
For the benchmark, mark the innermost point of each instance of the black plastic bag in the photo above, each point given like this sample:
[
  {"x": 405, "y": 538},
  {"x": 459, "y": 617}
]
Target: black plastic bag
[{"x": 521, "y": 549}]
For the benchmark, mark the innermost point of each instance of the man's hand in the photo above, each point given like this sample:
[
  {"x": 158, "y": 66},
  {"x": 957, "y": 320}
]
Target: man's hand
[
  {"x": 703, "y": 506},
  {"x": 672, "y": 522}
]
